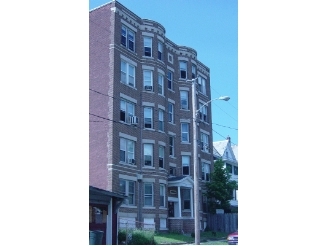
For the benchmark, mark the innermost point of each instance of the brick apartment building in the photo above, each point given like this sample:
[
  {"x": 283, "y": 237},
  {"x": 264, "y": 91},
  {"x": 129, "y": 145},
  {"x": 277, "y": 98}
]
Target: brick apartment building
[{"x": 141, "y": 119}]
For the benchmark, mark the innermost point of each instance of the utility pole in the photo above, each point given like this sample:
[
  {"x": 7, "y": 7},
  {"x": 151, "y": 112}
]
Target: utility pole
[{"x": 196, "y": 167}]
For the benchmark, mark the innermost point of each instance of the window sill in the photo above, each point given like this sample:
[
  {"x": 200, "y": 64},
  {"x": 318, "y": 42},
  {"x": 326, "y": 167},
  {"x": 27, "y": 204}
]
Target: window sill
[
  {"x": 128, "y": 206},
  {"x": 149, "y": 129},
  {"x": 148, "y": 167},
  {"x": 126, "y": 164},
  {"x": 148, "y": 207}
]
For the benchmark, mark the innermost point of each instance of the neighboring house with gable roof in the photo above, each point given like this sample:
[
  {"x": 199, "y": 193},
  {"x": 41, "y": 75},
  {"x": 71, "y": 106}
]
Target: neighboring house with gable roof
[{"x": 229, "y": 154}]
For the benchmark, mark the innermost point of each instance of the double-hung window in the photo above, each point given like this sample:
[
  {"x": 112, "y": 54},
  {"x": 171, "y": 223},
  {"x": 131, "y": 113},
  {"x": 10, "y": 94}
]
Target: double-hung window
[
  {"x": 127, "y": 188},
  {"x": 127, "y": 38},
  {"x": 148, "y": 195},
  {"x": 185, "y": 132},
  {"x": 161, "y": 84},
  {"x": 171, "y": 112},
  {"x": 148, "y": 117},
  {"x": 186, "y": 165},
  {"x": 193, "y": 71},
  {"x": 202, "y": 113},
  {"x": 161, "y": 156},
  {"x": 127, "y": 110},
  {"x": 127, "y": 73},
  {"x": 205, "y": 171},
  {"x": 202, "y": 85},
  {"x": 184, "y": 100},
  {"x": 147, "y": 46},
  {"x": 171, "y": 145},
  {"x": 162, "y": 195},
  {"x": 148, "y": 80},
  {"x": 170, "y": 80},
  {"x": 127, "y": 149},
  {"x": 235, "y": 170},
  {"x": 160, "y": 51},
  {"x": 161, "y": 120},
  {"x": 148, "y": 155},
  {"x": 204, "y": 142},
  {"x": 229, "y": 168},
  {"x": 183, "y": 69}
]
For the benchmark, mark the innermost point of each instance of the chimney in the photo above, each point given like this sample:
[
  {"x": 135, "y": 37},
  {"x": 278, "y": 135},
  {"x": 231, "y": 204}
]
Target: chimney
[{"x": 228, "y": 138}]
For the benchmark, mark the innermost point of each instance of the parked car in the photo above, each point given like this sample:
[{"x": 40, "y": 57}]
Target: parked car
[{"x": 233, "y": 238}]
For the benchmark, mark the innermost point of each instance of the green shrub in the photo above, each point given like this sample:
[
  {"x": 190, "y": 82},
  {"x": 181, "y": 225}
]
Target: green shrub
[
  {"x": 193, "y": 234},
  {"x": 140, "y": 237}
]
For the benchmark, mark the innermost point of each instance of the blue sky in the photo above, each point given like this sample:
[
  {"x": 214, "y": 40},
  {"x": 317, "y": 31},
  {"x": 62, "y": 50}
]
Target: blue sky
[{"x": 211, "y": 28}]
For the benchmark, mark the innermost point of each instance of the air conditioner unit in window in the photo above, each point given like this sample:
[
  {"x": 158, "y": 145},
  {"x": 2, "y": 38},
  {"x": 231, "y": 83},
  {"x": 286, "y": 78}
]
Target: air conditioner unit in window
[
  {"x": 131, "y": 161},
  {"x": 148, "y": 88},
  {"x": 134, "y": 120}
]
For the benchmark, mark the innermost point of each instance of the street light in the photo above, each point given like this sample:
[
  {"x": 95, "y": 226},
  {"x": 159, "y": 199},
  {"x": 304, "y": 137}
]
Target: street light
[{"x": 195, "y": 156}]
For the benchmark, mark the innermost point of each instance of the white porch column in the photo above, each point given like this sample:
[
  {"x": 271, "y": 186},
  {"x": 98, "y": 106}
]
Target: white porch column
[
  {"x": 191, "y": 203},
  {"x": 109, "y": 222},
  {"x": 179, "y": 197}
]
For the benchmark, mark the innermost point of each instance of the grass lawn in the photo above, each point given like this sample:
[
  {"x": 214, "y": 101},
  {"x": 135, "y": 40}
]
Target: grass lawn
[{"x": 175, "y": 238}]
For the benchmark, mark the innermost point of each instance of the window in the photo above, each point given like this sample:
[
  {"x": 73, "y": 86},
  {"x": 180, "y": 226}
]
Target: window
[
  {"x": 161, "y": 120},
  {"x": 127, "y": 151},
  {"x": 171, "y": 145},
  {"x": 204, "y": 142},
  {"x": 205, "y": 171},
  {"x": 185, "y": 132},
  {"x": 183, "y": 69},
  {"x": 147, "y": 46},
  {"x": 148, "y": 191},
  {"x": 170, "y": 58},
  {"x": 160, "y": 51},
  {"x": 171, "y": 112},
  {"x": 162, "y": 195},
  {"x": 173, "y": 171},
  {"x": 148, "y": 154},
  {"x": 162, "y": 223},
  {"x": 127, "y": 110},
  {"x": 186, "y": 198},
  {"x": 161, "y": 156},
  {"x": 229, "y": 168},
  {"x": 193, "y": 71},
  {"x": 235, "y": 170},
  {"x": 202, "y": 85},
  {"x": 148, "y": 80},
  {"x": 127, "y": 42},
  {"x": 184, "y": 100},
  {"x": 170, "y": 80},
  {"x": 202, "y": 113},
  {"x": 161, "y": 84},
  {"x": 127, "y": 73},
  {"x": 148, "y": 117},
  {"x": 149, "y": 223},
  {"x": 126, "y": 222},
  {"x": 185, "y": 165},
  {"x": 127, "y": 188}
]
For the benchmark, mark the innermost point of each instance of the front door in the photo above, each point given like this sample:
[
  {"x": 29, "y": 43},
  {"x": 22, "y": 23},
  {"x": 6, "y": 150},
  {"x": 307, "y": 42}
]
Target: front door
[{"x": 171, "y": 209}]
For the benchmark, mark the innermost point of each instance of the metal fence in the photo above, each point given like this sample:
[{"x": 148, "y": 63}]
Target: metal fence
[{"x": 223, "y": 222}]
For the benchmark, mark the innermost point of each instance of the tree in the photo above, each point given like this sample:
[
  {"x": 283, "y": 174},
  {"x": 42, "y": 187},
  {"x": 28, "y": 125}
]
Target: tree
[{"x": 219, "y": 189}]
